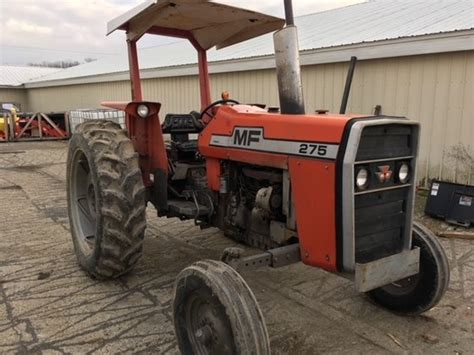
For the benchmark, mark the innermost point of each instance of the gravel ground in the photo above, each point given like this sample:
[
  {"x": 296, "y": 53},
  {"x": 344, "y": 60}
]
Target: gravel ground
[{"x": 48, "y": 305}]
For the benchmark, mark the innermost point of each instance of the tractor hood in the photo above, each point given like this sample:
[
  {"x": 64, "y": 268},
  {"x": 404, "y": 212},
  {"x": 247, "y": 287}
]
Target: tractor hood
[{"x": 210, "y": 24}]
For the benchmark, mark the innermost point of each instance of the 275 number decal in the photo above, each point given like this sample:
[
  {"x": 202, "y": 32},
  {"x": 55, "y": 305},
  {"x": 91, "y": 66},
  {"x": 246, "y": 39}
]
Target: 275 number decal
[{"x": 313, "y": 149}]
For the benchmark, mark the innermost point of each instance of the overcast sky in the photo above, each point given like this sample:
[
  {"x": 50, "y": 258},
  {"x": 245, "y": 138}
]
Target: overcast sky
[{"x": 37, "y": 30}]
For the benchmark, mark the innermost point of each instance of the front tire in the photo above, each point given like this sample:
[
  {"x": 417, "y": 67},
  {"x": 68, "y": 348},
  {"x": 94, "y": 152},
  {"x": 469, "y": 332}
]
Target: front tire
[
  {"x": 106, "y": 199},
  {"x": 215, "y": 312},
  {"x": 419, "y": 293}
]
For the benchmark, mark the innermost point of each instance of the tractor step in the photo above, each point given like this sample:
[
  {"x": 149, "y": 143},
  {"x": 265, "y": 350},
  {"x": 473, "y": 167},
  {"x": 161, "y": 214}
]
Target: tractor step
[{"x": 187, "y": 208}]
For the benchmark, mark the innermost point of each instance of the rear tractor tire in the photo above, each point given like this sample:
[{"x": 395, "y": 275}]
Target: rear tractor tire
[
  {"x": 106, "y": 199},
  {"x": 418, "y": 293},
  {"x": 216, "y": 313}
]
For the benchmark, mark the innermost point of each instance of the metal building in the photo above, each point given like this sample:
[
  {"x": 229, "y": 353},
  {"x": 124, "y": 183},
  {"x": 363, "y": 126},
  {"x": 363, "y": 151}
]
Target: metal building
[
  {"x": 416, "y": 59},
  {"x": 12, "y": 78}
]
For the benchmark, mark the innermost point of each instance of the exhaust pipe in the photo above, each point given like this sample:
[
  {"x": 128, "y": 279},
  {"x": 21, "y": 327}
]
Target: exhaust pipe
[
  {"x": 347, "y": 88},
  {"x": 287, "y": 57}
]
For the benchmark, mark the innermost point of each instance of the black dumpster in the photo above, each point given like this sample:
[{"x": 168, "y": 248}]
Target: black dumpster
[{"x": 452, "y": 202}]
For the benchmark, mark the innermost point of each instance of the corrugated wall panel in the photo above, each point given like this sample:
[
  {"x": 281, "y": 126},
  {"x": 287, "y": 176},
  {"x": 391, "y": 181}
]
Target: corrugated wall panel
[
  {"x": 436, "y": 90},
  {"x": 466, "y": 161},
  {"x": 17, "y": 96},
  {"x": 64, "y": 98}
]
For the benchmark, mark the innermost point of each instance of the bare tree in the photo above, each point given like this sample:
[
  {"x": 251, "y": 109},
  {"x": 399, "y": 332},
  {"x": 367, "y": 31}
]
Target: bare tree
[{"x": 56, "y": 64}]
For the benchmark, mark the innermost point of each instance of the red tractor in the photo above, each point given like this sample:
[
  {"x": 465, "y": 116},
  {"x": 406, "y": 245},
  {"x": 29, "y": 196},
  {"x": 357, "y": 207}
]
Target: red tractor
[{"x": 332, "y": 191}]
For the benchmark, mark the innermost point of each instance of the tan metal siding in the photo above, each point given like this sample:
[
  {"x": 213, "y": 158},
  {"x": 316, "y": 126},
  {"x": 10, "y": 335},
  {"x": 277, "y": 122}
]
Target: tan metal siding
[
  {"x": 17, "y": 96},
  {"x": 437, "y": 90},
  {"x": 64, "y": 98}
]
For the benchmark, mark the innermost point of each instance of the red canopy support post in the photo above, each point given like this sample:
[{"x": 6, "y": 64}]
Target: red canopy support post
[
  {"x": 204, "y": 84},
  {"x": 134, "y": 71}
]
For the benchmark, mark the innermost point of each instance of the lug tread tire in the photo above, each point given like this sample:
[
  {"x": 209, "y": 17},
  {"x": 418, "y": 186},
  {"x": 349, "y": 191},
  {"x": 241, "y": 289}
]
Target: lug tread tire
[
  {"x": 121, "y": 204},
  {"x": 245, "y": 317}
]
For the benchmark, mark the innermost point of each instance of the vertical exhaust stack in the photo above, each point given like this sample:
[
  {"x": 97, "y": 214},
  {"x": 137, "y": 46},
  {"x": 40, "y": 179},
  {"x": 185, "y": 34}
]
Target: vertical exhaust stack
[{"x": 287, "y": 57}]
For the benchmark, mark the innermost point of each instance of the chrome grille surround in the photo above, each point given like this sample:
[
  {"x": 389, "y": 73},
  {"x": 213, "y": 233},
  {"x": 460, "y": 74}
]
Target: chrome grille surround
[{"x": 349, "y": 193}]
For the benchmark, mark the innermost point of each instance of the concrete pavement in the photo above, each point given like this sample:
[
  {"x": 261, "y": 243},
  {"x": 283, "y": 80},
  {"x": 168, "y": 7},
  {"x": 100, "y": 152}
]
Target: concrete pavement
[{"x": 48, "y": 305}]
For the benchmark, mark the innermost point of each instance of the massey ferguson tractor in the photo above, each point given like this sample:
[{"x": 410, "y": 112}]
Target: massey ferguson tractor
[{"x": 332, "y": 191}]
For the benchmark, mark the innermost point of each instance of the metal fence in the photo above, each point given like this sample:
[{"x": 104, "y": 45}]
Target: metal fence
[{"x": 77, "y": 117}]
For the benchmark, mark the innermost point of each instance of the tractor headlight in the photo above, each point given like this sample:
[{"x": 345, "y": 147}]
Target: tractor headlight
[
  {"x": 404, "y": 173},
  {"x": 362, "y": 179},
  {"x": 143, "y": 111}
]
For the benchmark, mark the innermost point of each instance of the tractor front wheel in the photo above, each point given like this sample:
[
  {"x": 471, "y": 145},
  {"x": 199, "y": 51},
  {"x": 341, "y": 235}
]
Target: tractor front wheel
[
  {"x": 215, "y": 312},
  {"x": 106, "y": 199},
  {"x": 418, "y": 293}
]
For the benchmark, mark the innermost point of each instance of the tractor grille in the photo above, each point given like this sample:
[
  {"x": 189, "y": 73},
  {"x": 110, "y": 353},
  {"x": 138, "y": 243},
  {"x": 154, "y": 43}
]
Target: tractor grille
[
  {"x": 387, "y": 141},
  {"x": 381, "y": 210},
  {"x": 379, "y": 224}
]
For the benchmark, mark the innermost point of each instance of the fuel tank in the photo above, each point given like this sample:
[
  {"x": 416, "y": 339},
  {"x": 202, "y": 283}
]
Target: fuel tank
[{"x": 251, "y": 135}]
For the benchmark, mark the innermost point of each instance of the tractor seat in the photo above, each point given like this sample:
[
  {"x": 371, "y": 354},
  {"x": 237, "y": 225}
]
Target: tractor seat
[
  {"x": 190, "y": 146},
  {"x": 182, "y": 123}
]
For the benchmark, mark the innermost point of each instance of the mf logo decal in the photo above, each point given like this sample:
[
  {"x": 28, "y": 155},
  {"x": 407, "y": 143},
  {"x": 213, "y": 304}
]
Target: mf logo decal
[
  {"x": 384, "y": 174},
  {"x": 246, "y": 136},
  {"x": 253, "y": 138}
]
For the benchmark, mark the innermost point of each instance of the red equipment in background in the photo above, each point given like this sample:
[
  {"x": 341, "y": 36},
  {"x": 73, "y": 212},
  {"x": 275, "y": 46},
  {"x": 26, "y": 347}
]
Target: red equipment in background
[{"x": 38, "y": 126}]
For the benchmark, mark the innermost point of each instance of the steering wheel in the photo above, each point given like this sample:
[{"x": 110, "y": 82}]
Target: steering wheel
[{"x": 220, "y": 102}]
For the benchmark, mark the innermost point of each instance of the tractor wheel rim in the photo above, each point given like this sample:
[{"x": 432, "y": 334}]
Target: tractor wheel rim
[
  {"x": 404, "y": 286},
  {"x": 207, "y": 325},
  {"x": 83, "y": 203}
]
